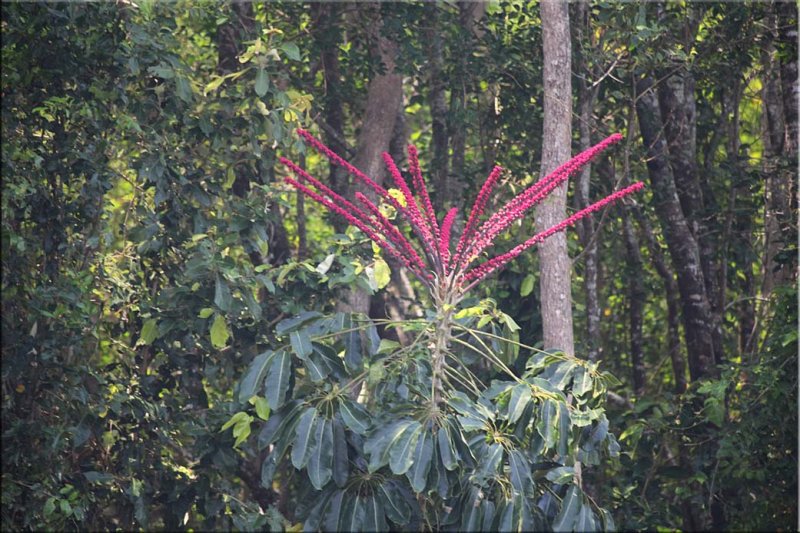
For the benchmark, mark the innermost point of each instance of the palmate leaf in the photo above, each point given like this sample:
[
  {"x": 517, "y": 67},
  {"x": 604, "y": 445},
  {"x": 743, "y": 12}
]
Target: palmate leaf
[
  {"x": 570, "y": 508},
  {"x": 354, "y": 416},
  {"x": 447, "y": 448},
  {"x": 254, "y": 377},
  {"x": 301, "y": 343},
  {"x": 520, "y": 397},
  {"x": 320, "y": 463},
  {"x": 304, "y": 437},
  {"x": 520, "y": 471},
  {"x": 394, "y": 505},
  {"x": 401, "y": 452},
  {"x": 341, "y": 464},
  {"x": 277, "y": 383},
  {"x": 381, "y": 441},
  {"x": 421, "y": 464}
]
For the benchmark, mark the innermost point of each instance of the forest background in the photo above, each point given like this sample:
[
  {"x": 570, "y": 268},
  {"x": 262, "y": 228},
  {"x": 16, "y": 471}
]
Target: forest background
[{"x": 150, "y": 247}]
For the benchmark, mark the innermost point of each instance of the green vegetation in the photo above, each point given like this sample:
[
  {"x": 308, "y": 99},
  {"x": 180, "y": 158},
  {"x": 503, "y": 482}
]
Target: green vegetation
[{"x": 188, "y": 344}]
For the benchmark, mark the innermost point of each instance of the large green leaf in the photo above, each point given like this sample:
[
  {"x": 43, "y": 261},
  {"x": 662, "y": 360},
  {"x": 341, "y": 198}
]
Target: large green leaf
[
  {"x": 317, "y": 369},
  {"x": 561, "y": 475},
  {"x": 320, "y": 464},
  {"x": 341, "y": 462},
  {"x": 547, "y": 423},
  {"x": 570, "y": 507},
  {"x": 491, "y": 460},
  {"x": 278, "y": 375},
  {"x": 301, "y": 343},
  {"x": 520, "y": 471},
  {"x": 290, "y": 324},
  {"x": 402, "y": 449},
  {"x": 305, "y": 437},
  {"x": 218, "y": 332},
  {"x": 381, "y": 441},
  {"x": 354, "y": 415},
  {"x": 395, "y": 506},
  {"x": 520, "y": 396},
  {"x": 333, "y": 514},
  {"x": 352, "y": 350},
  {"x": 374, "y": 517},
  {"x": 447, "y": 448},
  {"x": 471, "y": 519},
  {"x": 254, "y": 377},
  {"x": 354, "y": 514},
  {"x": 423, "y": 453}
]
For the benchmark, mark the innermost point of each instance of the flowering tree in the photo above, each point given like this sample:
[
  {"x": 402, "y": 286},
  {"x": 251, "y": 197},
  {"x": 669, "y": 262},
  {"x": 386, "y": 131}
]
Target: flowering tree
[{"x": 409, "y": 436}]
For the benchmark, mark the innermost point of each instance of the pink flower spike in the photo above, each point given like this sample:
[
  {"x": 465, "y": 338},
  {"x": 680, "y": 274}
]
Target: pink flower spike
[
  {"x": 392, "y": 233},
  {"x": 478, "y": 273},
  {"x": 477, "y": 210},
  {"x": 411, "y": 211},
  {"x": 422, "y": 191},
  {"x": 341, "y": 201},
  {"x": 444, "y": 240},
  {"x": 369, "y": 232}
]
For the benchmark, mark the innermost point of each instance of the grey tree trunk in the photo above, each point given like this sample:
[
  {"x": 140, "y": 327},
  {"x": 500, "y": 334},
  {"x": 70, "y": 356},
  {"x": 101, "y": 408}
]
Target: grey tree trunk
[
  {"x": 683, "y": 248},
  {"x": 636, "y": 296},
  {"x": 554, "y": 263},
  {"x": 384, "y": 97}
]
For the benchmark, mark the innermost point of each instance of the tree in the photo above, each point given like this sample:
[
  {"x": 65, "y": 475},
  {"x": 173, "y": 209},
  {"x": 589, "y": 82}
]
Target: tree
[{"x": 555, "y": 266}]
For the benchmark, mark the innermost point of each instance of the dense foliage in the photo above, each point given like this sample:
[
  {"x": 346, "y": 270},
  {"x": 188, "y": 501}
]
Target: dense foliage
[{"x": 175, "y": 350}]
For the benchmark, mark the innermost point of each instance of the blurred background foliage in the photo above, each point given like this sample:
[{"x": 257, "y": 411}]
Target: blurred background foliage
[{"x": 149, "y": 247}]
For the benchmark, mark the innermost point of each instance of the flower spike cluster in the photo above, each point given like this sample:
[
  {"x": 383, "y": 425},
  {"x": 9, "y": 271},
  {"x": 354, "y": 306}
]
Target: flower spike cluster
[{"x": 442, "y": 270}]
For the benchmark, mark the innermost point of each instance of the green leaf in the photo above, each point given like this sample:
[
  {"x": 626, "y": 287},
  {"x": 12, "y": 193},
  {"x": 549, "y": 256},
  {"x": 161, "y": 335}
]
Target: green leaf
[
  {"x": 547, "y": 424},
  {"x": 561, "y": 475},
  {"x": 447, "y": 449},
  {"x": 570, "y": 507},
  {"x": 317, "y": 369},
  {"x": 341, "y": 462},
  {"x": 585, "y": 520},
  {"x": 520, "y": 397},
  {"x": 262, "y": 407},
  {"x": 290, "y": 324},
  {"x": 383, "y": 274},
  {"x": 255, "y": 376},
  {"x": 149, "y": 332},
  {"x": 262, "y": 82},
  {"x": 205, "y": 312},
  {"x": 387, "y": 346},
  {"x": 471, "y": 519},
  {"x": 520, "y": 471},
  {"x": 402, "y": 450},
  {"x": 222, "y": 294},
  {"x": 291, "y": 50},
  {"x": 219, "y": 332},
  {"x": 49, "y": 506},
  {"x": 581, "y": 382},
  {"x": 381, "y": 441},
  {"x": 354, "y": 415},
  {"x": 304, "y": 437},
  {"x": 507, "y": 516},
  {"x": 374, "y": 519},
  {"x": 352, "y": 350},
  {"x": 320, "y": 464},
  {"x": 334, "y": 512},
  {"x": 608, "y": 520},
  {"x": 355, "y": 513},
  {"x": 423, "y": 453},
  {"x": 301, "y": 343},
  {"x": 395, "y": 506},
  {"x": 277, "y": 382},
  {"x": 183, "y": 89},
  {"x": 235, "y": 419},
  {"x": 527, "y": 285},
  {"x": 492, "y": 460}
]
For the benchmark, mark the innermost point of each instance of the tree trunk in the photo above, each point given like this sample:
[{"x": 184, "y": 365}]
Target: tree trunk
[
  {"x": 384, "y": 97},
  {"x": 440, "y": 163},
  {"x": 635, "y": 274},
  {"x": 554, "y": 262},
  {"x": 683, "y": 248}
]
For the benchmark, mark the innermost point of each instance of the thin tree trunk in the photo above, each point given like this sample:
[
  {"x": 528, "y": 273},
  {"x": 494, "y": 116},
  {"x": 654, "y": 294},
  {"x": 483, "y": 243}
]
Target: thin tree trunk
[
  {"x": 683, "y": 248},
  {"x": 635, "y": 274},
  {"x": 554, "y": 262},
  {"x": 671, "y": 293},
  {"x": 436, "y": 95}
]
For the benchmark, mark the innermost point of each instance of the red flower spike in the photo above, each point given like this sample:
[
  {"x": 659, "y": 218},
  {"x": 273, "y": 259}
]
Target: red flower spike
[
  {"x": 444, "y": 241},
  {"x": 447, "y": 277}
]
